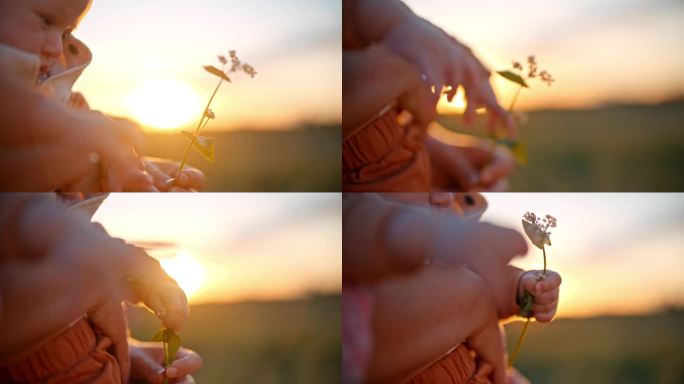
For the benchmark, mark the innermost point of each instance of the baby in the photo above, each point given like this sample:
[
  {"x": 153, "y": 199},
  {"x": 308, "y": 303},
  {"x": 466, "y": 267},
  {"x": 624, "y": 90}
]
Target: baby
[
  {"x": 439, "y": 286},
  {"x": 38, "y": 51},
  {"x": 395, "y": 67},
  {"x": 62, "y": 315}
]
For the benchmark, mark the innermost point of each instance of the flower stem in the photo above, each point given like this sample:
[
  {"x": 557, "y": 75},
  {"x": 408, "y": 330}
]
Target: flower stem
[
  {"x": 515, "y": 98},
  {"x": 165, "y": 345},
  {"x": 494, "y": 136},
  {"x": 518, "y": 344},
  {"x": 544, "y": 251},
  {"x": 199, "y": 127}
]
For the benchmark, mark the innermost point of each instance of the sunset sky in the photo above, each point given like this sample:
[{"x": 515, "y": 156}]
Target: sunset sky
[
  {"x": 598, "y": 50},
  {"x": 231, "y": 246},
  {"x": 617, "y": 253},
  {"x": 148, "y": 58}
]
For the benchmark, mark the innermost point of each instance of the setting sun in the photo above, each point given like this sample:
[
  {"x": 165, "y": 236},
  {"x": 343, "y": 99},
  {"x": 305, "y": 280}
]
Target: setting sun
[
  {"x": 164, "y": 104},
  {"x": 186, "y": 270}
]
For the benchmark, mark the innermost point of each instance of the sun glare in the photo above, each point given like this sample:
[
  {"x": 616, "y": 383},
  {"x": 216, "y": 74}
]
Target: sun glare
[
  {"x": 187, "y": 271},
  {"x": 456, "y": 106},
  {"x": 164, "y": 104}
]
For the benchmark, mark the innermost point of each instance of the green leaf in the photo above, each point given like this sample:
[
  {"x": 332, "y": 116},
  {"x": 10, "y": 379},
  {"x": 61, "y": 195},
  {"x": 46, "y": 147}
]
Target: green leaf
[
  {"x": 217, "y": 72},
  {"x": 159, "y": 336},
  {"x": 204, "y": 145},
  {"x": 514, "y": 77},
  {"x": 526, "y": 305},
  {"x": 174, "y": 343}
]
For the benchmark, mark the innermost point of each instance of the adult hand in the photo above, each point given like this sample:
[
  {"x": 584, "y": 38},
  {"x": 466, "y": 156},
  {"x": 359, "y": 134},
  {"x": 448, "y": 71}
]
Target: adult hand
[
  {"x": 147, "y": 359},
  {"x": 108, "y": 318},
  {"x": 489, "y": 347},
  {"x": 165, "y": 176},
  {"x": 471, "y": 168}
]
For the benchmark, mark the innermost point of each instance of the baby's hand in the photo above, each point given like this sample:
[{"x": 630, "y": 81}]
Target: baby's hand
[
  {"x": 147, "y": 359},
  {"x": 544, "y": 290},
  {"x": 448, "y": 63},
  {"x": 162, "y": 295},
  {"x": 142, "y": 279}
]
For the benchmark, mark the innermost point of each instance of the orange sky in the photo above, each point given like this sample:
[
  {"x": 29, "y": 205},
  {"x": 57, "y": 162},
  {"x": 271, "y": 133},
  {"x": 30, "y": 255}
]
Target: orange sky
[
  {"x": 233, "y": 246},
  {"x": 294, "y": 45},
  {"x": 598, "y": 50}
]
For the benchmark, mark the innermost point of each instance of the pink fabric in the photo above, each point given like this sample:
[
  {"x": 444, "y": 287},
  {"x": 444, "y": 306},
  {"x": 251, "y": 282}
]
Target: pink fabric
[{"x": 357, "y": 340}]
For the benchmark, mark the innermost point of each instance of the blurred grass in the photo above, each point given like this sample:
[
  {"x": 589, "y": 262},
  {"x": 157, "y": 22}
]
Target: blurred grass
[
  {"x": 294, "y": 341},
  {"x": 625, "y": 148},
  {"x": 300, "y": 160},
  {"x": 639, "y": 349}
]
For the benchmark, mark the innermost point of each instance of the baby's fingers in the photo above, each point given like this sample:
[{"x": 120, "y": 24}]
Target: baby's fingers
[
  {"x": 172, "y": 305},
  {"x": 549, "y": 297},
  {"x": 551, "y": 281},
  {"x": 545, "y": 312}
]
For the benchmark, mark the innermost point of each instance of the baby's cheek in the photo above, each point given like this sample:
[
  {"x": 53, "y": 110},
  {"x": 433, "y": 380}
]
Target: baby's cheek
[{"x": 20, "y": 34}]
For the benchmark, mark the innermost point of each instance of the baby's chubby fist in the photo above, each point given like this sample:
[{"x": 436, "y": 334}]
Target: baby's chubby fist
[{"x": 545, "y": 289}]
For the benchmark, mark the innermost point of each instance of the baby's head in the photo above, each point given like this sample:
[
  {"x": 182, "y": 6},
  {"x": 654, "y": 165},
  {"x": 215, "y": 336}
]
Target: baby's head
[{"x": 40, "y": 26}]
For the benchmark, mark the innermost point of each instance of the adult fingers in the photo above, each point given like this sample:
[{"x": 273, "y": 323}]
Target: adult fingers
[
  {"x": 187, "y": 362},
  {"x": 191, "y": 178},
  {"x": 162, "y": 181},
  {"x": 488, "y": 345},
  {"x": 138, "y": 181},
  {"x": 499, "y": 168},
  {"x": 184, "y": 380},
  {"x": 147, "y": 368}
]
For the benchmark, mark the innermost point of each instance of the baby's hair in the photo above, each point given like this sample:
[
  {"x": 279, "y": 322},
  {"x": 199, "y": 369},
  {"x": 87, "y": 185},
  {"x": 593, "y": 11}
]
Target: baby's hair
[{"x": 85, "y": 11}]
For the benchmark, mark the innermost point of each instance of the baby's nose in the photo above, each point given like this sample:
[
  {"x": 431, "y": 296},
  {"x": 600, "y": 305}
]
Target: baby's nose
[{"x": 441, "y": 199}]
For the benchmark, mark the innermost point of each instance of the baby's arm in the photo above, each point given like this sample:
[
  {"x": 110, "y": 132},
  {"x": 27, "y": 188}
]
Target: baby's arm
[
  {"x": 49, "y": 275},
  {"x": 53, "y": 145},
  {"x": 366, "y": 21},
  {"x": 419, "y": 317},
  {"x": 402, "y": 237},
  {"x": 376, "y": 77}
]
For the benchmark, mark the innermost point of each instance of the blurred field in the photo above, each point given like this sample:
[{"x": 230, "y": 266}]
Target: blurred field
[
  {"x": 260, "y": 342},
  {"x": 627, "y": 148},
  {"x": 301, "y": 160},
  {"x": 644, "y": 349}
]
